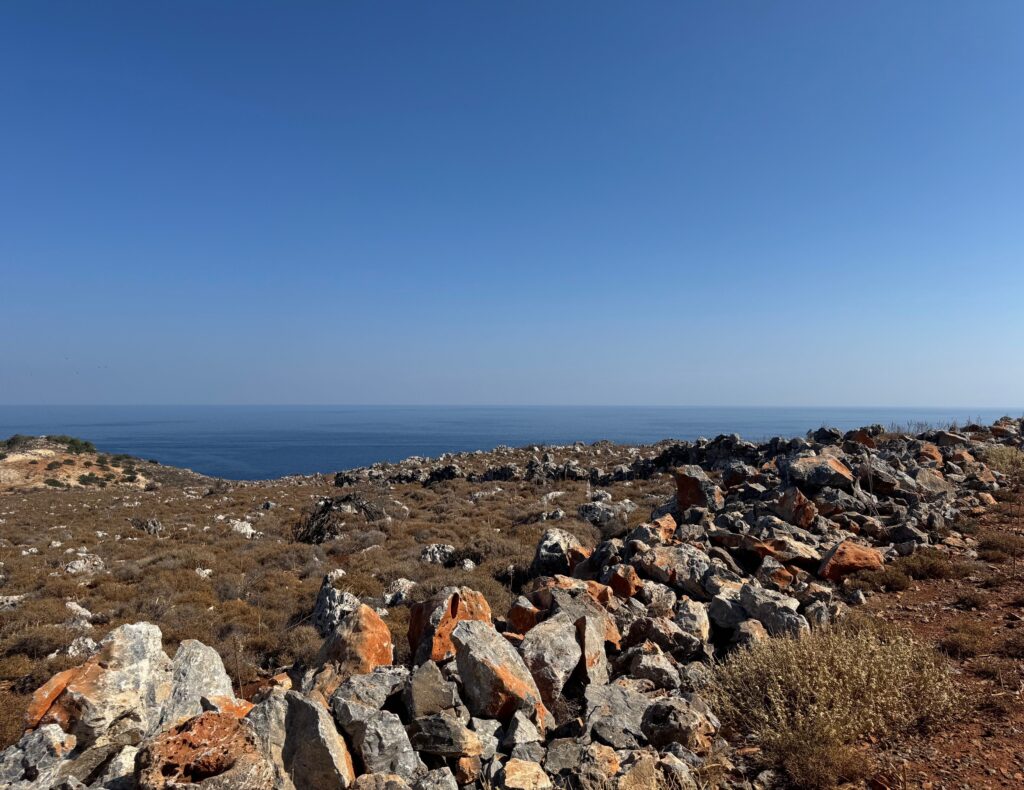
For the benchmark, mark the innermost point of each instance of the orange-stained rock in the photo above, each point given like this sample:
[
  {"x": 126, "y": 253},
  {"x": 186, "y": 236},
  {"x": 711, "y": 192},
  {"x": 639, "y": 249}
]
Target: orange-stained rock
[
  {"x": 795, "y": 508},
  {"x": 848, "y": 557},
  {"x": 539, "y": 590},
  {"x": 986, "y": 498},
  {"x": 962, "y": 457},
  {"x": 44, "y": 697},
  {"x": 819, "y": 471},
  {"x": 431, "y": 622},
  {"x": 523, "y": 615},
  {"x": 929, "y": 452},
  {"x": 861, "y": 436},
  {"x": 211, "y": 746},
  {"x": 665, "y": 527},
  {"x": 281, "y": 680},
  {"x": 360, "y": 643},
  {"x": 496, "y": 682},
  {"x": 695, "y": 489},
  {"x": 230, "y": 706},
  {"x": 625, "y": 581},
  {"x": 467, "y": 770},
  {"x": 524, "y": 775}
]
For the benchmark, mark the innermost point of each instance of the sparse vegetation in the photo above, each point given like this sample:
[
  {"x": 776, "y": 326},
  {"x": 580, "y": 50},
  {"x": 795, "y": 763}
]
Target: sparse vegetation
[
  {"x": 1006, "y": 459},
  {"x": 966, "y": 639},
  {"x": 809, "y": 702}
]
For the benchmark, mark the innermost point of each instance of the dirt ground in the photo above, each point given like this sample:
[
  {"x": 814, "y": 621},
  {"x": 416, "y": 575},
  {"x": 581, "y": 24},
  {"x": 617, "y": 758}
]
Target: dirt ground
[{"x": 979, "y": 621}]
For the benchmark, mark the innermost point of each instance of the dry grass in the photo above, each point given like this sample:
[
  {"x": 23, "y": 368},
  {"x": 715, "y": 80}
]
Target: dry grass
[
  {"x": 810, "y": 702},
  {"x": 966, "y": 639},
  {"x": 1006, "y": 459}
]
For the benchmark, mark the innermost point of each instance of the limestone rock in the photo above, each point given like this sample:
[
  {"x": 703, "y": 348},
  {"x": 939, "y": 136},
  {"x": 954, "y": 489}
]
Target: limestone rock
[
  {"x": 212, "y": 750},
  {"x": 551, "y": 653},
  {"x": 495, "y": 680},
  {"x": 301, "y": 741},
  {"x": 431, "y": 622},
  {"x": 847, "y": 557}
]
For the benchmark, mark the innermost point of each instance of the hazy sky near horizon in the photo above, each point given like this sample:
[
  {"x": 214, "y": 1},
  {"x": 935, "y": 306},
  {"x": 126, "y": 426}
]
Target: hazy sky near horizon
[{"x": 729, "y": 203}]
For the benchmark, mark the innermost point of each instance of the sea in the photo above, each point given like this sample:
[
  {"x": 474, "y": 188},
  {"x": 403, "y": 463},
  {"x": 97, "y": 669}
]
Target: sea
[{"x": 264, "y": 442}]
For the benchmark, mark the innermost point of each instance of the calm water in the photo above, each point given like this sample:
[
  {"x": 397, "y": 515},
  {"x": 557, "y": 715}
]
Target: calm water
[{"x": 258, "y": 442}]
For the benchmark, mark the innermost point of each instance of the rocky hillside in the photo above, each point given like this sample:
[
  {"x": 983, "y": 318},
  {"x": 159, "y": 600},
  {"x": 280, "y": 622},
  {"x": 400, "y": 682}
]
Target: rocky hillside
[{"x": 524, "y": 618}]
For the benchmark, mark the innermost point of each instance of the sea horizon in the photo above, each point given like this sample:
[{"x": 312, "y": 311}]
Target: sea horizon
[{"x": 257, "y": 442}]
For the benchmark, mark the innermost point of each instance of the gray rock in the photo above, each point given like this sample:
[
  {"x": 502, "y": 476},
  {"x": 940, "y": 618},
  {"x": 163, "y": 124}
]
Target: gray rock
[
  {"x": 552, "y": 654},
  {"x": 489, "y": 731},
  {"x": 438, "y": 554},
  {"x": 438, "y": 779},
  {"x": 427, "y": 692},
  {"x": 398, "y": 592},
  {"x": 300, "y": 738},
  {"x": 332, "y": 606},
  {"x": 34, "y": 761},
  {"x": 655, "y": 667},
  {"x": 683, "y": 567},
  {"x": 555, "y": 553},
  {"x": 519, "y": 731},
  {"x": 378, "y": 738},
  {"x": 372, "y": 689},
  {"x": 614, "y": 715},
  {"x": 776, "y": 612},
  {"x": 692, "y": 617},
  {"x": 196, "y": 672},
  {"x": 445, "y": 737},
  {"x": 673, "y": 720}
]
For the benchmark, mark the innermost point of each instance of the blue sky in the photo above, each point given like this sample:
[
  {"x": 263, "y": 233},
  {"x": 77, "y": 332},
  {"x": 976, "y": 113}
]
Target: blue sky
[{"x": 466, "y": 202}]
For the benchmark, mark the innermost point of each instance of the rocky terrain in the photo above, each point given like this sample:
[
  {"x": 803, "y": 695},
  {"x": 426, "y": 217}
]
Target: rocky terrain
[{"x": 524, "y": 618}]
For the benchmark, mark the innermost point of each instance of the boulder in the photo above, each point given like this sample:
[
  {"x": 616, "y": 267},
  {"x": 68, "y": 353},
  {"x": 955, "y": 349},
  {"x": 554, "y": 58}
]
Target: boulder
[
  {"x": 445, "y": 736},
  {"x": 673, "y": 720},
  {"x": 524, "y": 775},
  {"x": 795, "y": 508},
  {"x": 121, "y": 688},
  {"x": 557, "y": 552},
  {"x": 196, "y": 672},
  {"x": 551, "y": 653},
  {"x": 847, "y": 557},
  {"x": 591, "y": 633},
  {"x": 212, "y": 750},
  {"x": 359, "y": 643},
  {"x": 35, "y": 760},
  {"x": 438, "y": 554},
  {"x": 378, "y": 738},
  {"x": 776, "y": 612},
  {"x": 495, "y": 680},
  {"x": 682, "y": 566},
  {"x": 301, "y": 741},
  {"x": 614, "y": 715},
  {"x": 692, "y": 617},
  {"x": 695, "y": 489},
  {"x": 818, "y": 471},
  {"x": 427, "y": 692},
  {"x": 431, "y": 622},
  {"x": 332, "y": 606}
]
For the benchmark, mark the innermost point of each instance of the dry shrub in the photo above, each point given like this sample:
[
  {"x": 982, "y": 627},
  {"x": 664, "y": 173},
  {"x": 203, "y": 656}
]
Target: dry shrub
[
  {"x": 966, "y": 639},
  {"x": 933, "y": 564},
  {"x": 1013, "y": 647},
  {"x": 998, "y": 546},
  {"x": 810, "y": 702},
  {"x": 1006, "y": 459}
]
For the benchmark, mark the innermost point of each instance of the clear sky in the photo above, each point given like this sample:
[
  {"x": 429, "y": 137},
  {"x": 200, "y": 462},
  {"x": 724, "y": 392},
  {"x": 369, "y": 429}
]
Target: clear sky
[{"x": 512, "y": 202}]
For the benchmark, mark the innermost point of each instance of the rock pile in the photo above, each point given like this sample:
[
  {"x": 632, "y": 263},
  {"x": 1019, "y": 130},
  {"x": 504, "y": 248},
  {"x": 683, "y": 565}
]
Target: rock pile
[{"x": 594, "y": 675}]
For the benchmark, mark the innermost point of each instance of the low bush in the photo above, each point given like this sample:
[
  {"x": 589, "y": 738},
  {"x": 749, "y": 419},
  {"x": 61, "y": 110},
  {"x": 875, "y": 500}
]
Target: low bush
[
  {"x": 966, "y": 639},
  {"x": 1006, "y": 459},
  {"x": 810, "y": 702},
  {"x": 999, "y": 546}
]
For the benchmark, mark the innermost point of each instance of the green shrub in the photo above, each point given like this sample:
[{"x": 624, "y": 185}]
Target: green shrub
[{"x": 809, "y": 702}]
